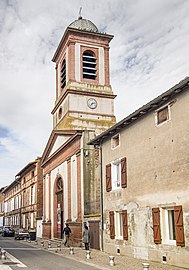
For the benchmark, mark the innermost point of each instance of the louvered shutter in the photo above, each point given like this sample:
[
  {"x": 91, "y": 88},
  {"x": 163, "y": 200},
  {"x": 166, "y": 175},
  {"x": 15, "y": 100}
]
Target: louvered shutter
[
  {"x": 156, "y": 225},
  {"x": 125, "y": 226},
  {"x": 124, "y": 172},
  {"x": 108, "y": 178},
  {"x": 178, "y": 216},
  {"x": 112, "y": 227}
]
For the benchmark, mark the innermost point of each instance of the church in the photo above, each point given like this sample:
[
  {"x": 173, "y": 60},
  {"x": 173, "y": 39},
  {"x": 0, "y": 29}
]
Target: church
[{"x": 84, "y": 108}]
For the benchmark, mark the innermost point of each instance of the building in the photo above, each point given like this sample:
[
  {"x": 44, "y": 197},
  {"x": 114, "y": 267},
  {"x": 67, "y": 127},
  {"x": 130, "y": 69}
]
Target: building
[
  {"x": 2, "y": 197},
  {"x": 12, "y": 205},
  {"x": 84, "y": 107},
  {"x": 145, "y": 172},
  {"x": 24, "y": 198}
]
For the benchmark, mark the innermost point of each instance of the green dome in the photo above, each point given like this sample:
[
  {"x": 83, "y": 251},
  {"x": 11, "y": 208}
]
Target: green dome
[{"x": 83, "y": 24}]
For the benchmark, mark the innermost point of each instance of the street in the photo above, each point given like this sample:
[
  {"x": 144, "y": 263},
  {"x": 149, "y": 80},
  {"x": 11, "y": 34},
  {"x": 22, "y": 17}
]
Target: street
[{"x": 35, "y": 258}]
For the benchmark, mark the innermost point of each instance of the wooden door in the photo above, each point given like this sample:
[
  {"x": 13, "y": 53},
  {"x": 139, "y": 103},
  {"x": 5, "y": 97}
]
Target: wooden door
[{"x": 94, "y": 234}]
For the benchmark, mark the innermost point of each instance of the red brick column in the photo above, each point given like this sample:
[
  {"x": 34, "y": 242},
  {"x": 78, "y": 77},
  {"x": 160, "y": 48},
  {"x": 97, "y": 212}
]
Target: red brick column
[
  {"x": 56, "y": 68},
  {"x": 107, "y": 66},
  {"x": 71, "y": 61}
]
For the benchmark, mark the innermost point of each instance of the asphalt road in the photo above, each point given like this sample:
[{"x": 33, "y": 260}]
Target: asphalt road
[{"x": 35, "y": 258}]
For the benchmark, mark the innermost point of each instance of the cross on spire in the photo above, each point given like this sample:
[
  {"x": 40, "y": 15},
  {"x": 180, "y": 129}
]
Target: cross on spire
[{"x": 80, "y": 17}]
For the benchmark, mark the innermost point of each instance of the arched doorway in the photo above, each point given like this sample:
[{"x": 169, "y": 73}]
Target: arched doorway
[{"x": 58, "y": 208}]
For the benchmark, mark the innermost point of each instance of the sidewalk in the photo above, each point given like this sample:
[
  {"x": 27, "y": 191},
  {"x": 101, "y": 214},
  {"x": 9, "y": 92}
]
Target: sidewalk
[{"x": 100, "y": 259}]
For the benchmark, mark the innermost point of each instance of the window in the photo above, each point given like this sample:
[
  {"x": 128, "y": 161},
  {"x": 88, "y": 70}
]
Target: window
[
  {"x": 32, "y": 198},
  {"x": 32, "y": 174},
  {"x": 89, "y": 65},
  {"x": 60, "y": 113},
  {"x": 171, "y": 224},
  {"x": 163, "y": 115},
  {"x": 115, "y": 141},
  {"x": 118, "y": 225},
  {"x": 168, "y": 225},
  {"x": 59, "y": 184},
  {"x": 63, "y": 74},
  {"x": 116, "y": 174}
]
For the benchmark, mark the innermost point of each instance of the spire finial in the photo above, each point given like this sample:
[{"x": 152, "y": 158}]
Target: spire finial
[{"x": 80, "y": 17}]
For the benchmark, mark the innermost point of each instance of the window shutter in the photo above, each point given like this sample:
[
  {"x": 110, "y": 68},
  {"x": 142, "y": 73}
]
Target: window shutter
[
  {"x": 125, "y": 226},
  {"x": 112, "y": 227},
  {"x": 123, "y": 172},
  {"x": 108, "y": 178},
  {"x": 156, "y": 225},
  {"x": 178, "y": 216}
]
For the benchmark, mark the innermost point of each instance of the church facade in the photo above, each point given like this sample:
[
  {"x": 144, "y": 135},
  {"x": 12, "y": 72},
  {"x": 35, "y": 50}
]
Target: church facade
[{"x": 84, "y": 107}]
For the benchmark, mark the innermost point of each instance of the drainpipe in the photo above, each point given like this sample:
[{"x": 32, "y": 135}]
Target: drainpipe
[{"x": 101, "y": 199}]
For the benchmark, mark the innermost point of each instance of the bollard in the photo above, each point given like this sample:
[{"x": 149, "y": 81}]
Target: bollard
[
  {"x": 42, "y": 243},
  {"x": 3, "y": 254},
  {"x": 49, "y": 244},
  {"x": 58, "y": 247},
  {"x": 71, "y": 250},
  {"x": 88, "y": 254},
  {"x": 36, "y": 242},
  {"x": 146, "y": 266},
  {"x": 111, "y": 260}
]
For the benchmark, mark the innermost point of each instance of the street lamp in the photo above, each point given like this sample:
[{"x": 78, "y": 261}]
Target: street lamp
[{"x": 18, "y": 180}]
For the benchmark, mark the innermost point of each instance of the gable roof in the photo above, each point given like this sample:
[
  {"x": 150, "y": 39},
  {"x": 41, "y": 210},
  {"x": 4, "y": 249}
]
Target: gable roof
[
  {"x": 154, "y": 104},
  {"x": 47, "y": 154}
]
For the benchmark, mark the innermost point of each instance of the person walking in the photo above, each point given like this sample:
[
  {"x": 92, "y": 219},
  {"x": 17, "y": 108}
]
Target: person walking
[
  {"x": 86, "y": 237},
  {"x": 66, "y": 233}
]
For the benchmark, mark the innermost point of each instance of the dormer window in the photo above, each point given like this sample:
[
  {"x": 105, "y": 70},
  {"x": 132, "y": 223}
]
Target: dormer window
[
  {"x": 63, "y": 74},
  {"x": 89, "y": 65}
]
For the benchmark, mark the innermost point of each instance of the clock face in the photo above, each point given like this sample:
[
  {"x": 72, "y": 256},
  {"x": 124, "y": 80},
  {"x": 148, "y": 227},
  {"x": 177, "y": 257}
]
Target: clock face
[{"x": 92, "y": 103}]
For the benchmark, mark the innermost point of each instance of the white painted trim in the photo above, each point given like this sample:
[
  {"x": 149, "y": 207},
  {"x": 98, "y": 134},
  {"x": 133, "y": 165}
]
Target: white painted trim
[
  {"x": 82, "y": 180},
  {"x": 74, "y": 191},
  {"x": 47, "y": 197}
]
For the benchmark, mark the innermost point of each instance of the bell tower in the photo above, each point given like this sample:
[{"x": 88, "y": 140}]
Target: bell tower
[{"x": 84, "y": 97}]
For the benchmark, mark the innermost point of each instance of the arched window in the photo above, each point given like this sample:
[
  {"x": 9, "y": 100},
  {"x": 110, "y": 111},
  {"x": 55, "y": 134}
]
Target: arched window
[
  {"x": 63, "y": 74},
  {"x": 89, "y": 65},
  {"x": 59, "y": 184}
]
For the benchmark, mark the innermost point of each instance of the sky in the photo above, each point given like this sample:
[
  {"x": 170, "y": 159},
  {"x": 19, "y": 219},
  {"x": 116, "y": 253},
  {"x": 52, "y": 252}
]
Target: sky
[{"x": 148, "y": 55}]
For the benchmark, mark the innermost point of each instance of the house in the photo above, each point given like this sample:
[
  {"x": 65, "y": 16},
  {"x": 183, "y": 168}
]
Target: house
[
  {"x": 24, "y": 198},
  {"x": 12, "y": 209},
  {"x": 145, "y": 172},
  {"x": 2, "y": 196},
  {"x": 84, "y": 107}
]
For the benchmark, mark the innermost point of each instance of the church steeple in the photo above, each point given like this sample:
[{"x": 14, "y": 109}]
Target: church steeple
[{"x": 84, "y": 98}]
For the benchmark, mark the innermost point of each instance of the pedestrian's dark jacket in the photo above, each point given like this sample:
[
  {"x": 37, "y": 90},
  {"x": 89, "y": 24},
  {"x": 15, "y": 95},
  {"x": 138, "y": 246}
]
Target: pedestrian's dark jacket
[{"x": 67, "y": 231}]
